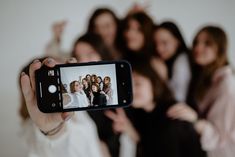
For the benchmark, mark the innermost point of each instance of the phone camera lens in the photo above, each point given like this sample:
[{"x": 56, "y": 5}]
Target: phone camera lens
[
  {"x": 122, "y": 66},
  {"x": 52, "y": 89}
]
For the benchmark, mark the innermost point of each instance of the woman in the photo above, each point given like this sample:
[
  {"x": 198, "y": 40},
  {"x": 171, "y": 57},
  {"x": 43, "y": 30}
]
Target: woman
[
  {"x": 171, "y": 48},
  {"x": 100, "y": 82},
  {"x": 93, "y": 78},
  {"x": 147, "y": 123},
  {"x": 79, "y": 98},
  {"x": 97, "y": 97},
  {"x": 105, "y": 23},
  {"x": 136, "y": 41},
  {"x": 212, "y": 93},
  {"x": 108, "y": 89},
  {"x": 54, "y": 134},
  {"x": 86, "y": 88}
]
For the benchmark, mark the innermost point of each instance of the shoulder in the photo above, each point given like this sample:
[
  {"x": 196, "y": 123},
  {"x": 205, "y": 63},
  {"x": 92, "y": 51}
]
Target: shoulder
[
  {"x": 224, "y": 77},
  {"x": 182, "y": 60}
]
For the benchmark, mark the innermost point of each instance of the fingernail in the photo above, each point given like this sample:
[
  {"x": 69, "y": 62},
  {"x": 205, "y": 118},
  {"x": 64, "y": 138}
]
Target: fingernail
[
  {"x": 36, "y": 60},
  {"x": 49, "y": 60},
  {"x": 67, "y": 117},
  {"x": 22, "y": 73}
]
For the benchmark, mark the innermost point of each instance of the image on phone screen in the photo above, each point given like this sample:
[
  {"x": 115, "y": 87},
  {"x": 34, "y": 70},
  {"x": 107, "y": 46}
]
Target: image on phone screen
[{"x": 88, "y": 86}]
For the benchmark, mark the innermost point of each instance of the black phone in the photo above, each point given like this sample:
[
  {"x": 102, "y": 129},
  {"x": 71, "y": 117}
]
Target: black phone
[{"x": 84, "y": 86}]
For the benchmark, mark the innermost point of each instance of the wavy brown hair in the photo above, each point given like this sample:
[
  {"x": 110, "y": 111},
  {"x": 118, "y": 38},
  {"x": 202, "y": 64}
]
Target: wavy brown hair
[{"x": 202, "y": 76}]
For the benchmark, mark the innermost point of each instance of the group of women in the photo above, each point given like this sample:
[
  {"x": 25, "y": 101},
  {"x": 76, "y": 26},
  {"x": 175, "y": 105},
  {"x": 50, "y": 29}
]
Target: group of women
[{"x": 184, "y": 103}]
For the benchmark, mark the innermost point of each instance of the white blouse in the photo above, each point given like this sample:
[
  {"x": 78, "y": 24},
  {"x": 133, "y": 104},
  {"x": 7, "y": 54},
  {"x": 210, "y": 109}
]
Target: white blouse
[
  {"x": 181, "y": 76},
  {"x": 80, "y": 139}
]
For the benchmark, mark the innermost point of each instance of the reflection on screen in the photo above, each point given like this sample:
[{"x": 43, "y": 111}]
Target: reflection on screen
[{"x": 89, "y": 86}]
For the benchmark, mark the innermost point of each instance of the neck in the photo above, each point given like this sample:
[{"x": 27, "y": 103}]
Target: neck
[{"x": 150, "y": 107}]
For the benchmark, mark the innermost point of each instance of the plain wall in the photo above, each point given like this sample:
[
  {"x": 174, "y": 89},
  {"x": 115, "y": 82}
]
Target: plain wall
[{"x": 25, "y": 28}]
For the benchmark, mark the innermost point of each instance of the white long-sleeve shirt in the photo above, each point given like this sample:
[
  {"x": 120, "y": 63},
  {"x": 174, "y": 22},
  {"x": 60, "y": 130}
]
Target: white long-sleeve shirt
[
  {"x": 181, "y": 76},
  {"x": 79, "y": 139}
]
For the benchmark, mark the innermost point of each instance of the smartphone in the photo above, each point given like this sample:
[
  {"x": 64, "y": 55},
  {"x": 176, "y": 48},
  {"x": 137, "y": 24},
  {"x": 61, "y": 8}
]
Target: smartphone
[{"x": 84, "y": 86}]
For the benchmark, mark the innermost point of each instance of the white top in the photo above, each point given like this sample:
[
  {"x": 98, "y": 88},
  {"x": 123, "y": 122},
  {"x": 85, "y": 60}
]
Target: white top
[
  {"x": 79, "y": 140},
  {"x": 181, "y": 76},
  {"x": 218, "y": 137},
  {"x": 78, "y": 99}
]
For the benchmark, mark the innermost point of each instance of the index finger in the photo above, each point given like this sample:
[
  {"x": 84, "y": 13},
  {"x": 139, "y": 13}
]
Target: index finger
[{"x": 111, "y": 115}]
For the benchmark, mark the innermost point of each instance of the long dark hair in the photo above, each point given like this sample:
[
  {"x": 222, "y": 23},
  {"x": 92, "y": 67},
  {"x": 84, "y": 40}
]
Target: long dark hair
[
  {"x": 173, "y": 29},
  {"x": 98, "y": 12},
  {"x": 202, "y": 76},
  {"x": 96, "y": 42},
  {"x": 146, "y": 27}
]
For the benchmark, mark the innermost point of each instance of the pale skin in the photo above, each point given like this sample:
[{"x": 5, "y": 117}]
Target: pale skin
[
  {"x": 44, "y": 121},
  {"x": 106, "y": 27},
  {"x": 84, "y": 52},
  {"x": 134, "y": 37},
  {"x": 204, "y": 55},
  {"x": 166, "y": 43}
]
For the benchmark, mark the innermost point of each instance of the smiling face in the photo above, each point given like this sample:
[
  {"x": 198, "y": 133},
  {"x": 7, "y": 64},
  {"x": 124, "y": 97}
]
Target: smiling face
[
  {"x": 99, "y": 80},
  {"x": 85, "y": 83},
  {"x": 77, "y": 87},
  {"x": 166, "y": 44},
  {"x": 134, "y": 37},
  {"x": 143, "y": 91},
  {"x": 107, "y": 80},
  {"x": 94, "y": 88},
  {"x": 84, "y": 52},
  {"x": 204, "y": 50},
  {"x": 105, "y": 26}
]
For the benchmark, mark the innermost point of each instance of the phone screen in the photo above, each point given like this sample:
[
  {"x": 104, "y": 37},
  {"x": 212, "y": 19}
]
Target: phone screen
[{"x": 88, "y": 86}]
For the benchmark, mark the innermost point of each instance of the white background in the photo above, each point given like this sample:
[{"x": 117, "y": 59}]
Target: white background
[
  {"x": 25, "y": 27},
  {"x": 69, "y": 74}
]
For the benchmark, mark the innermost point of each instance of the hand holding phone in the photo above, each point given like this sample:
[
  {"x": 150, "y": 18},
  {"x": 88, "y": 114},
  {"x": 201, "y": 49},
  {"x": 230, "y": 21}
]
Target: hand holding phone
[
  {"x": 84, "y": 86},
  {"x": 45, "y": 122}
]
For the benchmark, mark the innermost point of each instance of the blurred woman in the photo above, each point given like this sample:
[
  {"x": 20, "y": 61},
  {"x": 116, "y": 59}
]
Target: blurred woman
[
  {"x": 105, "y": 23},
  {"x": 136, "y": 41},
  {"x": 54, "y": 134},
  {"x": 212, "y": 93},
  {"x": 147, "y": 124},
  {"x": 171, "y": 48},
  {"x": 90, "y": 47}
]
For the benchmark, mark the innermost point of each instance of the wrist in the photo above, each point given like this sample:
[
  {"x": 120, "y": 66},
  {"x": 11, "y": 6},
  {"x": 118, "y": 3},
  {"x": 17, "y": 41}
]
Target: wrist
[
  {"x": 53, "y": 131},
  {"x": 133, "y": 134},
  {"x": 199, "y": 125}
]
